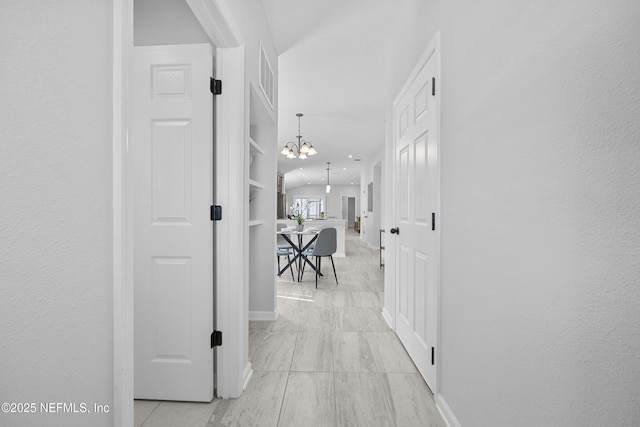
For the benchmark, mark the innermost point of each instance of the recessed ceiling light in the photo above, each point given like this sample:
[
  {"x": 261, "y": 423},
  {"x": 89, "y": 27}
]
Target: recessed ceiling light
[
  {"x": 350, "y": 156},
  {"x": 308, "y": 183},
  {"x": 352, "y": 183},
  {"x": 301, "y": 168},
  {"x": 344, "y": 169}
]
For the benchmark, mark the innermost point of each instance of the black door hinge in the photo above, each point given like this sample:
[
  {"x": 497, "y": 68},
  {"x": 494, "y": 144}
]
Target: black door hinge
[
  {"x": 216, "y": 213},
  {"x": 216, "y": 339},
  {"x": 433, "y": 220},
  {"x": 433, "y": 86},
  {"x": 433, "y": 356},
  {"x": 215, "y": 86}
]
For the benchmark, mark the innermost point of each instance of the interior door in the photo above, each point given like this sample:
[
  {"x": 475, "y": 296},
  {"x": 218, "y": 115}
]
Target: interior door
[
  {"x": 416, "y": 185},
  {"x": 351, "y": 211},
  {"x": 173, "y": 234}
]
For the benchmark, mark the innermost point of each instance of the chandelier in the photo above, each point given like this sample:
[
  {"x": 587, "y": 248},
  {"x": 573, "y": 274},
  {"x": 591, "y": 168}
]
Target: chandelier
[{"x": 300, "y": 149}]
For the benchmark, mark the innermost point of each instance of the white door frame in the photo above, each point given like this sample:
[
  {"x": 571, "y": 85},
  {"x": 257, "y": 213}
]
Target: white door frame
[
  {"x": 389, "y": 309},
  {"x": 219, "y": 25}
]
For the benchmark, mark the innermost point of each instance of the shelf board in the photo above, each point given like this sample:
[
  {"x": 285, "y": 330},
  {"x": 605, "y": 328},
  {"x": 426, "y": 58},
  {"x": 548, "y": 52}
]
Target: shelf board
[
  {"x": 256, "y": 222},
  {"x": 254, "y": 147},
  {"x": 255, "y": 184}
]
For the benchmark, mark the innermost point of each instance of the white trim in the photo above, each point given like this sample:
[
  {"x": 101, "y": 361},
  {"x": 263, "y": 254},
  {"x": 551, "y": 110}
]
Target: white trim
[
  {"x": 247, "y": 374},
  {"x": 446, "y": 412},
  {"x": 436, "y": 46},
  {"x": 217, "y": 22},
  {"x": 391, "y": 321},
  {"x": 122, "y": 220},
  {"x": 230, "y": 233},
  {"x": 263, "y": 315}
]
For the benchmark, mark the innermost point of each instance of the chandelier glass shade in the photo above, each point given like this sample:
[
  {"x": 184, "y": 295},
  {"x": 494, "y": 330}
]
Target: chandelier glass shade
[{"x": 300, "y": 149}]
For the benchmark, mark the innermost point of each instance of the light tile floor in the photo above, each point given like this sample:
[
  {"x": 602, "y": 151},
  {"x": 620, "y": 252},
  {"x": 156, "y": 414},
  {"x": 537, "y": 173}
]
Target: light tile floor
[{"x": 329, "y": 360}]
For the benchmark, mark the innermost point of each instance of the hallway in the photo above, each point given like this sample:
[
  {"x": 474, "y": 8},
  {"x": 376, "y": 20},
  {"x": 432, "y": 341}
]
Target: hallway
[{"x": 329, "y": 360}]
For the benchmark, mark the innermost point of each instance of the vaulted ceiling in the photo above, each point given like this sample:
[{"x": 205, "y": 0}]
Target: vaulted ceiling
[{"x": 331, "y": 64}]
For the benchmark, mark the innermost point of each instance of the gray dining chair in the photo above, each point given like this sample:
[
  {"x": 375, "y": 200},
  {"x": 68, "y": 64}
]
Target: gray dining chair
[
  {"x": 325, "y": 246},
  {"x": 283, "y": 248}
]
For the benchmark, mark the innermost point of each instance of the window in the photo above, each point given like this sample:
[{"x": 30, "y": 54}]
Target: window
[{"x": 308, "y": 207}]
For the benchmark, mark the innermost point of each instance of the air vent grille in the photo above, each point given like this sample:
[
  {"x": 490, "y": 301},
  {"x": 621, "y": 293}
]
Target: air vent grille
[{"x": 267, "y": 81}]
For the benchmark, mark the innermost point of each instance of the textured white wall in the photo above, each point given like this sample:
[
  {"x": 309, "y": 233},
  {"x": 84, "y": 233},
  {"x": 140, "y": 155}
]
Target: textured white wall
[
  {"x": 160, "y": 22},
  {"x": 55, "y": 227},
  {"x": 540, "y": 205}
]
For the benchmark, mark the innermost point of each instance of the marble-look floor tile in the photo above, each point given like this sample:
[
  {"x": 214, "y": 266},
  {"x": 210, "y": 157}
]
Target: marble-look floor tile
[
  {"x": 309, "y": 400},
  {"x": 314, "y": 352},
  {"x": 352, "y": 353},
  {"x": 363, "y": 399},
  {"x": 289, "y": 319},
  {"x": 317, "y": 318},
  {"x": 186, "y": 414},
  {"x": 259, "y": 405},
  {"x": 259, "y": 324},
  {"x": 255, "y": 337},
  {"x": 274, "y": 351},
  {"x": 331, "y": 298},
  {"x": 364, "y": 299},
  {"x": 358, "y": 319},
  {"x": 388, "y": 353},
  {"x": 413, "y": 402},
  {"x": 142, "y": 409}
]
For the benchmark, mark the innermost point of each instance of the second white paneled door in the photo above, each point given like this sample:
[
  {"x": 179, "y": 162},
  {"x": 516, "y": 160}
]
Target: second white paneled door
[
  {"x": 416, "y": 201},
  {"x": 173, "y": 234}
]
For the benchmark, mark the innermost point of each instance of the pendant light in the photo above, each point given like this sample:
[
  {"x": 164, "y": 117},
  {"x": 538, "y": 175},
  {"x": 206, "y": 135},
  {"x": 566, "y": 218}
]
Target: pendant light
[{"x": 328, "y": 185}]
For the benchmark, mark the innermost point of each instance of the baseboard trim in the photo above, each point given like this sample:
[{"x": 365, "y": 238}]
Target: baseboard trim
[
  {"x": 246, "y": 375},
  {"x": 263, "y": 315},
  {"x": 387, "y": 318},
  {"x": 446, "y": 412}
]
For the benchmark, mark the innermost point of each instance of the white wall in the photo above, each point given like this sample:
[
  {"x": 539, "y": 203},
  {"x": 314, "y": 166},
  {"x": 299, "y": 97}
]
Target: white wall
[
  {"x": 540, "y": 207},
  {"x": 55, "y": 229},
  {"x": 333, "y": 199},
  {"x": 160, "y": 22}
]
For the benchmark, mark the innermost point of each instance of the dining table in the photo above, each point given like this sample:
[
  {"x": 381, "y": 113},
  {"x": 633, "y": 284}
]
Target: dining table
[{"x": 299, "y": 247}]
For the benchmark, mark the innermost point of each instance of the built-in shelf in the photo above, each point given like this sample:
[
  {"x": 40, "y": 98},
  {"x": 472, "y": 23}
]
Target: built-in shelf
[
  {"x": 255, "y": 148},
  {"x": 255, "y": 184},
  {"x": 256, "y": 222}
]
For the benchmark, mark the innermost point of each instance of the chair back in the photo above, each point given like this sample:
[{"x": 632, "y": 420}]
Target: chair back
[
  {"x": 279, "y": 239},
  {"x": 326, "y": 243}
]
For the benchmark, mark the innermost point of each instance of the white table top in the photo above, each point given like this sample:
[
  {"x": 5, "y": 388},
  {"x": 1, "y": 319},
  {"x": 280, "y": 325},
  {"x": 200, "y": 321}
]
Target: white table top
[{"x": 293, "y": 231}]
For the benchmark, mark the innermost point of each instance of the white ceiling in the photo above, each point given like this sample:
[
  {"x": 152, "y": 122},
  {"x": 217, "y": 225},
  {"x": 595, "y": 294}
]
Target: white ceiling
[{"x": 330, "y": 67}]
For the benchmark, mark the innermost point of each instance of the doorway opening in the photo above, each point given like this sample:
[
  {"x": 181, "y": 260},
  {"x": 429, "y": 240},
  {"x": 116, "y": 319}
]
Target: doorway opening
[{"x": 172, "y": 182}]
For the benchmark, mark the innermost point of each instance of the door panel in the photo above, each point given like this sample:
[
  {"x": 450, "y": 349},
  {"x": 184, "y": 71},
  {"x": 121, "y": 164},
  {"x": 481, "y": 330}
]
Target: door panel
[
  {"x": 416, "y": 192},
  {"x": 171, "y": 171},
  {"x": 173, "y": 235}
]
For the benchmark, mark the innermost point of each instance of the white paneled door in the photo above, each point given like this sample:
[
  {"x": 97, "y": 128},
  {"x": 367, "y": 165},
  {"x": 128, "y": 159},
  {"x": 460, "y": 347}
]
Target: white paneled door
[
  {"x": 173, "y": 235},
  {"x": 416, "y": 201}
]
